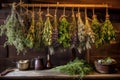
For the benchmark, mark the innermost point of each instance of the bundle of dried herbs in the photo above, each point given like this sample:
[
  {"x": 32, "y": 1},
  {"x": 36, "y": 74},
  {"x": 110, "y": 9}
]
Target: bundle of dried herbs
[
  {"x": 64, "y": 35},
  {"x": 47, "y": 31},
  {"x": 39, "y": 31},
  {"x": 55, "y": 31},
  {"x": 107, "y": 31},
  {"x": 13, "y": 29},
  {"x": 96, "y": 27},
  {"x": 73, "y": 30},
  {"x": 81, "y": 34},
  {"x": 26, "y": 16},
  {"x": 30, "y": 39},
  {"x": 76, "y": 67},
  {"x": 90, "y": 38}
]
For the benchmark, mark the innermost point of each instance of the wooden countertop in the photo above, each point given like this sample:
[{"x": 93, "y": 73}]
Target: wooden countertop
[{"x": 51, "y": 74}]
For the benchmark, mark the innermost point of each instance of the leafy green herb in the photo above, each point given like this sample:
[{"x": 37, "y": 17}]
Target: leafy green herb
[
  {"x": 47, "y": 32},
  {"x": 107, "y": 31},
  {"x": 31, "y": 33},
  {"x": 76, "y": 67},
  {"x": 64, "y": 36},
  {"x": 13, "y": 29},
  {"x": 96, "y": 27},
  {"x": 107, "y": 61},
  {"x": 39, "y": 31}
]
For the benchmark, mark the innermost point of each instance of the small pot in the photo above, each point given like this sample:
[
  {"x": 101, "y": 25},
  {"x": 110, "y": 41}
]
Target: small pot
[{"x": 23, "y": 64}]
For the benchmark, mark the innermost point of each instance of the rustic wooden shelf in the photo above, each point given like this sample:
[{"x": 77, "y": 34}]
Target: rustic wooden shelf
[{"x": 50, "y": 74}]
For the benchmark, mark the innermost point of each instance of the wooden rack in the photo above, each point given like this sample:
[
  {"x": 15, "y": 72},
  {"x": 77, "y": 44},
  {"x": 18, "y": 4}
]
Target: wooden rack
[
  {"x": 62, "y": 5},
  {"x": 67, "y": 5}
]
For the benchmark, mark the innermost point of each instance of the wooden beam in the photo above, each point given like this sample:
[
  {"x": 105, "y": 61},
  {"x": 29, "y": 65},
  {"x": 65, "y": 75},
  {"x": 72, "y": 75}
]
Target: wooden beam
[{"x": 114, "y": 3}]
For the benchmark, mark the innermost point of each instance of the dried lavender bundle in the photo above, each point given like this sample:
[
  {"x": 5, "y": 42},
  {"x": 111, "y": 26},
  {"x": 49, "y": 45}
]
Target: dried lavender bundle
[
  {"x": 73, "y": 30},
  {"x": 55, "y": 31}
]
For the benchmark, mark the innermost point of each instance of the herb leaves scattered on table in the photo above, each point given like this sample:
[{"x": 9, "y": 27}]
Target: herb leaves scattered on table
[{"x": 76, "y": 67}]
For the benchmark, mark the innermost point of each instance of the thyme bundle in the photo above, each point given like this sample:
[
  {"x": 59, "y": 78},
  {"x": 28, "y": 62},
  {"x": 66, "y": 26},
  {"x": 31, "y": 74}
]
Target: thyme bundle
[
  {"x": 96, "y": 27},
  {"x": 89, "y": 33},
  {"x": 13, "y": 29},
  {"x": 39, "y": 31},
  {"x": 81, "y": 34},
  {"x": 107, "y": 31},
  {"x": 31, "y": 33},
  {"x": 47, "y": 31}
]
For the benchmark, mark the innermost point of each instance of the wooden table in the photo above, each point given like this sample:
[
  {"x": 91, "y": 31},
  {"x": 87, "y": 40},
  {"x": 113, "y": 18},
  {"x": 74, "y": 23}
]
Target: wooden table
[{"x": 55, "y": 75}]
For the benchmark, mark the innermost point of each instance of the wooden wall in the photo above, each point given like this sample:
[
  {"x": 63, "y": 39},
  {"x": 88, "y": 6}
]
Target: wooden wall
[{"x": 62, "y": 56}]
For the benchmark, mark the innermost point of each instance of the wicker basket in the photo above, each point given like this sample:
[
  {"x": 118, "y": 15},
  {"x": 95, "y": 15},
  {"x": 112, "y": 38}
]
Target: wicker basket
[{"x": 105, "y": 68}]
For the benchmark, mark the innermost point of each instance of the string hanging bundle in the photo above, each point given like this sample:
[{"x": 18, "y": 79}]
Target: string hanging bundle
[
  {"x": 30, "y": 39},
  {"x": 73, "y": 30},
  {"x": 55, "y": 30},
  {"x": 47, "y": 30},
  {"x": 64, "y": 36},
  {"x": 45, "y": 34},
  {"x": 13, "y": 29},
  {"x": 89, "y": 33},
  {"x": 81, "y": 33},
  {"x": 39, "y": 30},
  {"x": 108, "y": 32},
  {"x": 96, "y": 27}
]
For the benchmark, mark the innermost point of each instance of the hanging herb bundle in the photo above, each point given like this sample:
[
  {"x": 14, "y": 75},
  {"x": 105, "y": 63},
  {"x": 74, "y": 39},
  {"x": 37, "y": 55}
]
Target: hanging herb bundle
[
  {"x": 107, "y": 31},
  {"x": 64, "y": 35},
  {"x": 39, "y": 31},
  {"x": 73, "y": 30},
  {"x": 31, "y": 33},
  {"x": 13, "y": 29},
  {"x": 47, "y": 31},
  {"x": 96, "y": 27},
  {"x": 26, "y": 20},
  {"x": 89, "y": 33},
  {"x": 81, "y": 33},
  {"x": 55, "y": 31}
]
